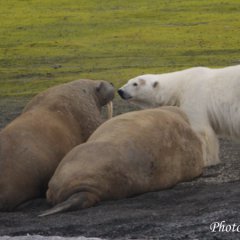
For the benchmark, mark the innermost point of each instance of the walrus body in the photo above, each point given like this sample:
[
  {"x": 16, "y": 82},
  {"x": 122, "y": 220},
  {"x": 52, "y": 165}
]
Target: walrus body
[
  {"x": 51, "y": 124},
  {"x": 130, "y": 154}
]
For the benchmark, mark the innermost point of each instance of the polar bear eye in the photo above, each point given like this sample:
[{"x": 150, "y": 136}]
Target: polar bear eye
[{"x": 135, "y": 84}]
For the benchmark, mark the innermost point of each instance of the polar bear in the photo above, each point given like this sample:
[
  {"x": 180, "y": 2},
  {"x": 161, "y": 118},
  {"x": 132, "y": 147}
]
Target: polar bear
[{"x": 209, "y": 97}]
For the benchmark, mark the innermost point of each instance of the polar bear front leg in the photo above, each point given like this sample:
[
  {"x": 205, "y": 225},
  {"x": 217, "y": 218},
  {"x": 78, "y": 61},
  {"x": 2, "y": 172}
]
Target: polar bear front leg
[
  {"x": 210, "y": 145},
  {"x": 198, "y": 118}
]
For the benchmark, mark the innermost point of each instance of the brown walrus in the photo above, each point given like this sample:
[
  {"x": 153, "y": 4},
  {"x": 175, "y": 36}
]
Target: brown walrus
[
  {"x": 130, "y": 154},
  {"x": 53, "y": 122}
]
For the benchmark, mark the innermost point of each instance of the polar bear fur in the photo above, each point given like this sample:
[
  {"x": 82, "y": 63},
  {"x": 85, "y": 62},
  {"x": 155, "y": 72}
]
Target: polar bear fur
[{"x": 209, "y": 97}]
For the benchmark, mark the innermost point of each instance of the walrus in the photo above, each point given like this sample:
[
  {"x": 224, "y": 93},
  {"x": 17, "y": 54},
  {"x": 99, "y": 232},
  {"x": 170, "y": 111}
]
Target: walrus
[
  {"x": 51, "y": 124},
  {"x": 130, "y": 154}
]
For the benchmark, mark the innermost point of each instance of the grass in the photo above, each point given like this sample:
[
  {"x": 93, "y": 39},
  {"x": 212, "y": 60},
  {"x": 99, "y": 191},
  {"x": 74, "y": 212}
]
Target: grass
[{"x": 47, "y": 42}]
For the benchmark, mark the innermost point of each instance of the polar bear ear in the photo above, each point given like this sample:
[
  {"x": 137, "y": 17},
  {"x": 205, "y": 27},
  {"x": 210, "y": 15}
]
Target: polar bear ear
[
  {"x": 142, "y": 81},
  {"x": 155, "y": 84}
]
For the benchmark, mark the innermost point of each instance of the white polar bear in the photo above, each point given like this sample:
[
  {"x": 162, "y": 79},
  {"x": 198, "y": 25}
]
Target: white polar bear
[{"x": 210, "y": 98}]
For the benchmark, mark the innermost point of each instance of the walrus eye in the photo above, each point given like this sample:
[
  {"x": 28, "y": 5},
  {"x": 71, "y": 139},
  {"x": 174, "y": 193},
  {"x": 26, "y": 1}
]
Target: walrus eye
[{"x": 135, "y": 84}]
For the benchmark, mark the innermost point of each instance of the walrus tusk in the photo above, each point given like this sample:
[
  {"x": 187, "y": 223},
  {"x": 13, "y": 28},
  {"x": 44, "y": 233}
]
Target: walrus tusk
[{"x": 110, "y": 110}]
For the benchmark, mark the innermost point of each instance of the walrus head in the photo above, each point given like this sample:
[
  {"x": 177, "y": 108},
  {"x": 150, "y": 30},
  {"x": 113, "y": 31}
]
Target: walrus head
[{"x": 105, "y": 94}]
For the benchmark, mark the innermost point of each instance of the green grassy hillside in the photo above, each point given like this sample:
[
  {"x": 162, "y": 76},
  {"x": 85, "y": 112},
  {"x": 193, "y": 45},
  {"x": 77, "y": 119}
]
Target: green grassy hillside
[{"x": 46, "y": 42}]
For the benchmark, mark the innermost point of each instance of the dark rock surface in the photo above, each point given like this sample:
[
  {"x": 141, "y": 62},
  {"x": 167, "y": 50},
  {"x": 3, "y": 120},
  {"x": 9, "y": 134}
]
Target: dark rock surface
[{"x": 183, "y": 212}]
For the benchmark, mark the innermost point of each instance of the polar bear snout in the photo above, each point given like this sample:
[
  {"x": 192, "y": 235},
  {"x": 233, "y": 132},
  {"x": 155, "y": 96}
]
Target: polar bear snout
[{"x": 123, "y": 94}]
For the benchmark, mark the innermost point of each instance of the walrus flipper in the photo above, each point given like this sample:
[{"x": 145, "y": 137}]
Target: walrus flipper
[{"x": 78, "y": 200}]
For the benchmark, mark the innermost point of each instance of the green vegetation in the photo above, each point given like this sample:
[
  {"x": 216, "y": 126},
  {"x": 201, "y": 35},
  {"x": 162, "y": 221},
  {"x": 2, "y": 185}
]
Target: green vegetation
[{"x": 46, "y": 42}]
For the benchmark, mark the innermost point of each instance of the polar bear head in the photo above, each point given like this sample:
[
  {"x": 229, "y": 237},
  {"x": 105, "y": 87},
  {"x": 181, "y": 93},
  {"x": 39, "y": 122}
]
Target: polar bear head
[{"x": 141, "y": 90}]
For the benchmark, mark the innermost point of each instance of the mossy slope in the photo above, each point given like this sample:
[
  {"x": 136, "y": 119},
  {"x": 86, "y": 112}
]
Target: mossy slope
[{"x": 46, "y": 42}]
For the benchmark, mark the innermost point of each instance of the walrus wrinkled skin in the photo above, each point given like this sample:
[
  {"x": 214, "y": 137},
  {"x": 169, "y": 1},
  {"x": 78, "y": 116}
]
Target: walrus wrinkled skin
[
  {"x": 51, "y": 124},
  {"x": 130, "y": 154}
]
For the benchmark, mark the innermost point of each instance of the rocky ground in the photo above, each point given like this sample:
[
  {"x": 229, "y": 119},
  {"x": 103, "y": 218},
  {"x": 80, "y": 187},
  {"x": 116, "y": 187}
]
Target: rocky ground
[{"x": 184, "y": 212}]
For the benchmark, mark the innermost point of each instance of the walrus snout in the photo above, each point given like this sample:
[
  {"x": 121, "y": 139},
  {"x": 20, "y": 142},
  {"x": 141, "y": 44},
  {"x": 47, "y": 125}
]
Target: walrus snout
[{"x": 105, "y": 91}]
